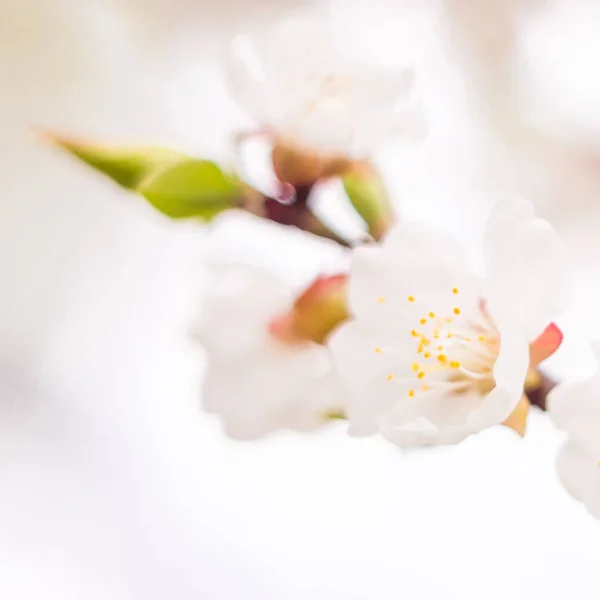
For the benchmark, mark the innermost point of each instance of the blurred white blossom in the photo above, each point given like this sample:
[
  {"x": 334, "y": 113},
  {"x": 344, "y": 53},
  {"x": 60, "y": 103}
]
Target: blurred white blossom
[
  {"x": 297, "y": 83},
  {"x": 575, "y": 408},
  {"x": 436, "y": 352},
  {"x": 255, "y": 382}
]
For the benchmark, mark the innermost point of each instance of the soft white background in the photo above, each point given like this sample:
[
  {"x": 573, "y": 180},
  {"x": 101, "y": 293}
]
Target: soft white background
[{"x": 113, "y": 484}]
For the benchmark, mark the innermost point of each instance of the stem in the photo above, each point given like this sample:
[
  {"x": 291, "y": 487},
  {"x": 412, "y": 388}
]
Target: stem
[{"x": 537, "y": 395}]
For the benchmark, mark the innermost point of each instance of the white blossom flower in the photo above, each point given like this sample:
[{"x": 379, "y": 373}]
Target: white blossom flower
[
  {"x": 436, "y": 352},
  {"x": 575, "y": 408},
  {"x": 255, "y": 382},
  {"x": 297, "y": 82}
]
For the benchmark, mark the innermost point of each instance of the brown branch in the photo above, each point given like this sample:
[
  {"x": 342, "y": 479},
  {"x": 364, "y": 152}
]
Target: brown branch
[{"x": 538, "y": 394}]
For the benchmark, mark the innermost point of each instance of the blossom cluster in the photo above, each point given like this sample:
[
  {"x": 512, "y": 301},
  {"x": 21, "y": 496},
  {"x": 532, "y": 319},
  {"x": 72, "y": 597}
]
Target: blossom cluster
[{"x": 416, "y": 342}]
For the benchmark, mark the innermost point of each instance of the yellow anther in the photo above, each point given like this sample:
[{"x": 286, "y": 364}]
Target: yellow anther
[
  {"x": 468, "y": 339},
  {"x": 442, "y": 358},
  {"x": 440, "y": 347},
  {"x": 436, "y": 335},
  {"x": 389, "y": 377},
  {"x": 423, "y": 321},
  {"x": 425, "y": 388},
  {"x": 457, "y": 311},
  {"x": 455, "y": 364},
  {"x": 411, "y": 393},
  {"x": 411, "y": 298},
  {"x": 427, "y": 355},
  {"x": 455, "y": 290},
  {"x": 481, "y": 338},
  {"x": 421, "y": 374},
  {"x": 381, "y": 299},
  {"x": 450, "y": 335},
  {"x": 414, "y": 333},
  {"x": 448, "y": 320},
  {"x": 432, "y": 315},
  {"x": 377, "y": 350},
  {"x": 426, "y": 342},
  {"x": 415, "y": 367}
]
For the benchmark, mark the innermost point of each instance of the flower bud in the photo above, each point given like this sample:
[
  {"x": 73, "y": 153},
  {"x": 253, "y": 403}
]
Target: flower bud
[
  {"x": 316, "y": 313},
  {"x": 368, "y": 195}
]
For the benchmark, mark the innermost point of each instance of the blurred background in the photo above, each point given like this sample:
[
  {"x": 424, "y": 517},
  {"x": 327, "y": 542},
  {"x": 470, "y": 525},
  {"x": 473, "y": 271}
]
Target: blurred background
[{"x": 114, "y": 485}]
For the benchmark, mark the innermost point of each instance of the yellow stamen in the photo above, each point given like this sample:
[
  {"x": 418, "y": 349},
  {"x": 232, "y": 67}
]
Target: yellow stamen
[
  {"x": 421, "y": 374},
  {"x": 432, "y": 315},
  {"x": 377, "y": 350},
  {"x": 442, "y": 358},
  {"x": 427, "y": 355},
  {"x": 440, "y": 347},
  {"x": 423, "y": 321},
  {"x": 481, "y": 338},
  {"x": 425, "y": 388},
  {"x": 381, "y": 299},
  {"x": 457, "y": 311},
  {"x": 414, "y": 333},
  {"x": 455, "y": 364},
  {"x": 415, "y": 367},
  {"x": 389, "y": 377},
  {"x": 450, "y": 335},
  {"x": 411, "y": 393},
  {"x": 448, "y": 320},
  {"x": 411, "y": 298},
  {"x": 455, "y": 290}
]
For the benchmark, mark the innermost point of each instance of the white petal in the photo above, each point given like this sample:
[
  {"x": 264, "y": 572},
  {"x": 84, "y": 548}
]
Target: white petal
[
  {"x": 239, "y": 303},
  {"x": 276, "y": 74},
  {"x": 415, "y": 260},
  {"x": 422, "y": 432},
  {"x": 579, "y": 472},
  {"x": 254, "y": 383},
  {"x": 383, "y": 107},
  {"x": 576, "y": 409},
  {"x": 250, "y": 83},
  {"x": 364, "y": 372},
  {"x": 329, "y": 126},
  {"x": 509, "y": 374},
  {"x": 528, "y": 281}
]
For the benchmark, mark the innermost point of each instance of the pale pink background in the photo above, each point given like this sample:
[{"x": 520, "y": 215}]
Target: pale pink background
[{"x": 113, "y": 484}]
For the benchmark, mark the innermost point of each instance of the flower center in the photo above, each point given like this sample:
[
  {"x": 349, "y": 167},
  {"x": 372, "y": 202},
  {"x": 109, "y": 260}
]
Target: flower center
[
  {"x": 452, "y": 352},
  {"x": 331, "y": 87}
]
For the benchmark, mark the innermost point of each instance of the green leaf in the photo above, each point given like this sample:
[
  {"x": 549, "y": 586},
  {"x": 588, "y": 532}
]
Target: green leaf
[
  {"x": 127, "y": 166},
  {"x": 191, "y": 188}
]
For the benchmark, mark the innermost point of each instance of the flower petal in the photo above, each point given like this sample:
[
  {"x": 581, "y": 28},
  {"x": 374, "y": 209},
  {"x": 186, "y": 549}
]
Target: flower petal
[
  {"x": 422, "y": 432},
  {"x": 369, "y": 365},
  {"x": 579, "y": 472},
  {"x": 509, "y": 373},
  {"x": 414, "y": 260},
  {"x": 527, "y": 268},
  {"x": 576, "y": 409},
  {"x": 545, "y": 345},
  {"x": 275, "y": 74}
]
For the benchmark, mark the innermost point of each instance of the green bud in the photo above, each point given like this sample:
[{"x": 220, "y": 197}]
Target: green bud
[
  {"x": 126, "y": 165},
  {"x": 191, "y": 188},
  {"x": 175, "y": 184},
  {"x": 369, "y": 197}
]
